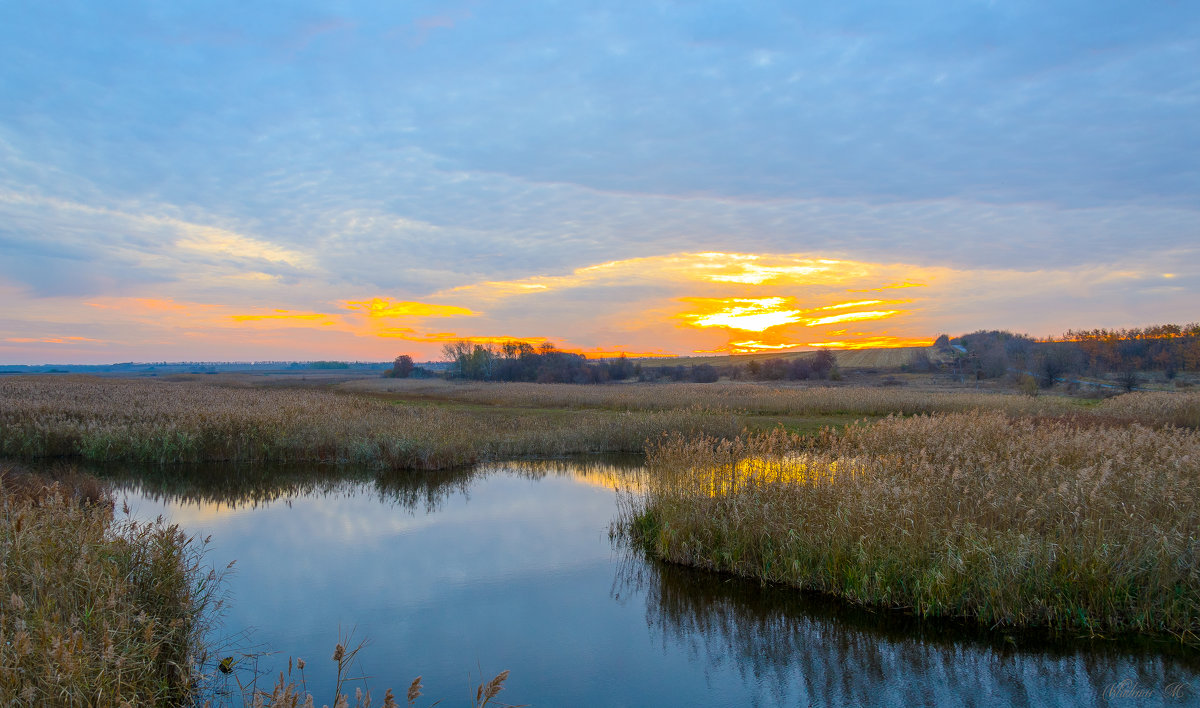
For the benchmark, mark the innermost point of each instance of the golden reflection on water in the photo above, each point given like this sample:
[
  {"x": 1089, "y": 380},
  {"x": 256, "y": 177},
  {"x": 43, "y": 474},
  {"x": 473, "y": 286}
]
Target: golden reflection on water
[
  {"x": 625, "y": 477},
  {"x": 757, "y": 472}
]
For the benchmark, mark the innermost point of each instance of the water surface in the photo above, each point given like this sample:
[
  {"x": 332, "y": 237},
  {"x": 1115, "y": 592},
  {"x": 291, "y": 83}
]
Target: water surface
[{"x": 451, "y": 574}]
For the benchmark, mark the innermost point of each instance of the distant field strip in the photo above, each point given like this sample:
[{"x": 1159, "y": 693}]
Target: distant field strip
[
  {"x": 1180, "y": 409},
  {"x": 157, "y": 421}
]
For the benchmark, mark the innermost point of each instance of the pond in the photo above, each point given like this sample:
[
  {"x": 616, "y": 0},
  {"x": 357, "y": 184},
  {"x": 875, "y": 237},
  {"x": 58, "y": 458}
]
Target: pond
[{"x": 450, "y": 575}]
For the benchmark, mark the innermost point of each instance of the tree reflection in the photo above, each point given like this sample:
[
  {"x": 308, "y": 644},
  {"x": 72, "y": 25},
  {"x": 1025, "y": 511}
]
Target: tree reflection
[{"x": 252, "y": 486}]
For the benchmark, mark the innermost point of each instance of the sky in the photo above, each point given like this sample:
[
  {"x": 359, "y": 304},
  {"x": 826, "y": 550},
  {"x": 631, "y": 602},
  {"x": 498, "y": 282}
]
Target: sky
[{"x": 210, "y": 181}]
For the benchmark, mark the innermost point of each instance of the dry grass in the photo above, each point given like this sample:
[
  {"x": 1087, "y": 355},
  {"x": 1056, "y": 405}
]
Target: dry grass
[
  {"x": 1179, "y": 409},
  {"x": 762, "y": 398},
  {"x": 290, "y": 688},
  {"x": 94, "y": 610},
  {"x": 194, "y": 421},
  {"x": 164, "y": 422},
  {"x": 1090, "y": 529}
]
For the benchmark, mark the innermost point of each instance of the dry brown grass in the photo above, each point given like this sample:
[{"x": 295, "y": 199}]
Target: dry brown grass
[
  {"x": 156, "y": 421},
  {"x": 1179, "y": 409},
  {"x": 1007, "y": 522},
  {"x": 94, "y": 610},
  {"x": 290, "y": 688}
]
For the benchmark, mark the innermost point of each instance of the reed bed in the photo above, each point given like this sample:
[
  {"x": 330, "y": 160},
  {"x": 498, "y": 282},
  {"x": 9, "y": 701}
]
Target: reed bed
[
  {"x": 168, "y": 422},
  {"x": 94, "y": 610},
  {"x": 1179, "y": 409},
  {"x": 1001, "y": 521},
  {"x": 1156, "y": 408}
]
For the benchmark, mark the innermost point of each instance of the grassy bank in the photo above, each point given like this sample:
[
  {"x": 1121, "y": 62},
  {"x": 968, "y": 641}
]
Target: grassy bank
[
  {"x": 165, "y": 422},
  {"x": 1020, "y": 523},
  {"x": 96, "y": 611}
]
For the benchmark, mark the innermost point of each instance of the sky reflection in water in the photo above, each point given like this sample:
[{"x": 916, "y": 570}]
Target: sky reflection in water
[{"x": 511, "y": 567}]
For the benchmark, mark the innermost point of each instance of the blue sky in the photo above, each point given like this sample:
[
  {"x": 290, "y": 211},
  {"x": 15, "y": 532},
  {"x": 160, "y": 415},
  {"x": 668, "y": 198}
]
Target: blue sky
[{"x": 1034, "y": 166}]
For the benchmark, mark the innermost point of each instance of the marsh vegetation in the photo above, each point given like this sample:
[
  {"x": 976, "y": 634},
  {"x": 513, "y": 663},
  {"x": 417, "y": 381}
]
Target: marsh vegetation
[
  {"x": 1065, "y": 524},
  {"x": 98, "y": 609},
  {"x": 999, "y": 509}
]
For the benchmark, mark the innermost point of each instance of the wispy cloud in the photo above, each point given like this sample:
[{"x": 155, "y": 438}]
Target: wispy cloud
[{"x": 582, "y": 175}]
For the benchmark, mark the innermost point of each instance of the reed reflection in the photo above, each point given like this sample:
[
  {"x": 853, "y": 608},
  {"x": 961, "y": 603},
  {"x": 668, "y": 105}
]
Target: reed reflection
[
  {"x": 255, "y": 486},
  {"x": 252, "y": 486},
  {"x": 797, "y": 649}
]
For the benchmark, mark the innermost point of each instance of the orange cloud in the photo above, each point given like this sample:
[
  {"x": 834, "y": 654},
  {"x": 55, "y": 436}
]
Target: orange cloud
[
  {"x": 892, "y": 286},
  {"x": 875, "y": 343},
  {"x": 288, "y": 318},
  {"x": 852, "y": 317},
  {"x": 856, "y": 303},
  {"x": 755, "y": 346},
  {"x": 386, "y": 307},
  {"x": 51, "y": 340},
  {"x": 752, "y": 315},
  {"x": 760, "y": 314}
]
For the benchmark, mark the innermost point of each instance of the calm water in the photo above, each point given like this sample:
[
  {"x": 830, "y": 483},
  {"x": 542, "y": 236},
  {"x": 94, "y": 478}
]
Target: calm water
[{"x": 512, "y": 567}]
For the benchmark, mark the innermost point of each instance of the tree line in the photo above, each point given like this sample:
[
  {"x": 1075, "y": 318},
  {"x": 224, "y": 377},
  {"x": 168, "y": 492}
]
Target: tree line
[
  {"x": 521, "y": 361},
  {"x": 1168, "y": 349}
]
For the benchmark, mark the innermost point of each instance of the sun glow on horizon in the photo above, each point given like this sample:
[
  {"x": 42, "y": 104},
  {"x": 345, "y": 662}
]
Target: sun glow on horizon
[{"x": 748, "y": 314}]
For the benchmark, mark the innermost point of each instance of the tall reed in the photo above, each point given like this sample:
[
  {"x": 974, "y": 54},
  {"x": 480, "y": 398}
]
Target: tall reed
[
  {"x": 1004, "y": 522},
  {"x": 95, "y": 610}
]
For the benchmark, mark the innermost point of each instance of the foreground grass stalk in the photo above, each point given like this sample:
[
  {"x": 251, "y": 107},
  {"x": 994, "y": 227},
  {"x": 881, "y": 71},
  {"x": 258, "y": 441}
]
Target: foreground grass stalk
[{"x": 1018, "y": 523}]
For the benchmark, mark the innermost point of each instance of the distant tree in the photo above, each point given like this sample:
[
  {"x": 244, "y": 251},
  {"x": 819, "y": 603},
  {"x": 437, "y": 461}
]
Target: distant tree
[
  {"x": 1056, "y": 360},
  {"x": 402, "y": 368},
  {"x": 942, "y": 343},
  {"x": 824, "y": 363}
]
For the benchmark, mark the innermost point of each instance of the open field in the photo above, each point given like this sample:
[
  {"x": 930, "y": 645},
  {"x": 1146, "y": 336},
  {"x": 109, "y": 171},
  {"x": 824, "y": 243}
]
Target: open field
[
  {"x": 435, "y": 424},
  {"x": 1027, "y": 522},
  {"x": 776, "y": 400},
  {"x": 165, "y": 422}
]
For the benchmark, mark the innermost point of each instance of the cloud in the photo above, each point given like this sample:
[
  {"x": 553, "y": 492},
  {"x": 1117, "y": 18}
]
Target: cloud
[
  {"x": 219, "y": 242},
  {"x": 585, "y": 171},
  {"x": 382, "y": 307}
]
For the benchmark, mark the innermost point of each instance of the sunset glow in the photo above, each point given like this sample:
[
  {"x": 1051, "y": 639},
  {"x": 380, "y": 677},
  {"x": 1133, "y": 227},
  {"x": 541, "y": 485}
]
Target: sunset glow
[
  {"x": 748, "y": 315},
  {"x": 851, "y": 317},
  {"x": 386, "y": 307},
  {"x": 251, "y": 184}
]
